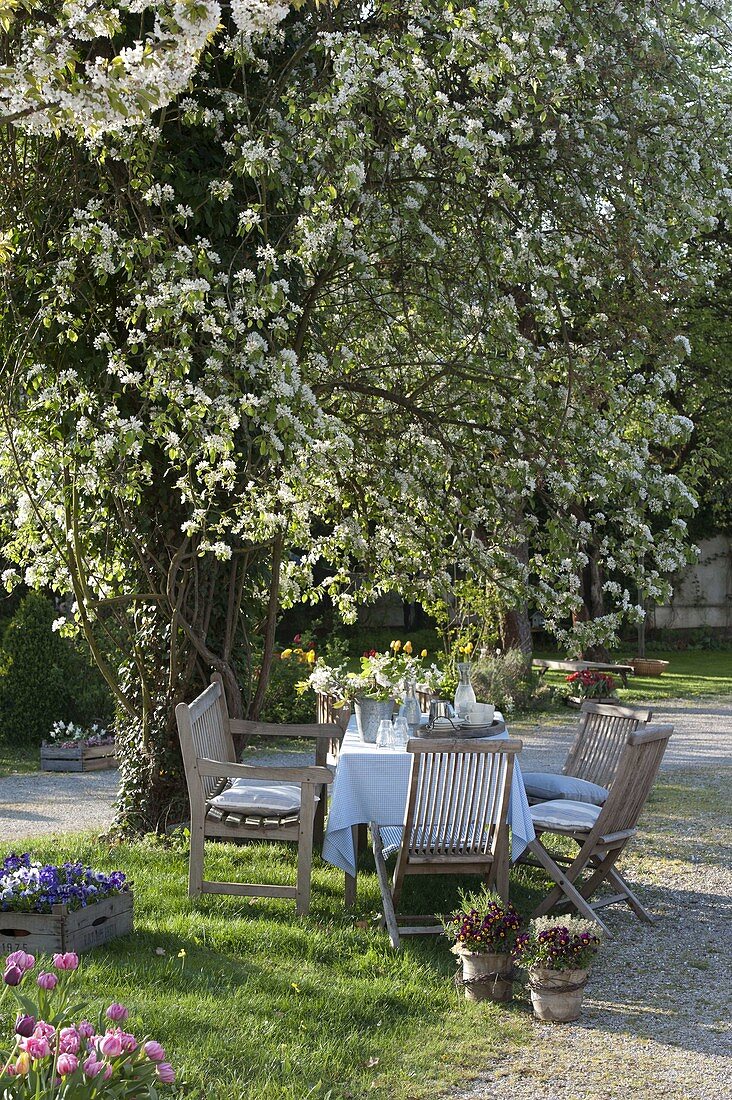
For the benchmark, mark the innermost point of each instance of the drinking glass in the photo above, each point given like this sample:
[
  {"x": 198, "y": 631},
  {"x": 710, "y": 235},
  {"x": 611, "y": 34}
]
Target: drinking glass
[
  {"x": 401, "y": 732},
  {"x": 385, "y": 734}
]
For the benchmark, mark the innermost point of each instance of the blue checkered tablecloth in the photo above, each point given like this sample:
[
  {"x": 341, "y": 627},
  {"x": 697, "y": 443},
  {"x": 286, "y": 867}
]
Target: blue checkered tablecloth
[{"x": 372, "y": 784}]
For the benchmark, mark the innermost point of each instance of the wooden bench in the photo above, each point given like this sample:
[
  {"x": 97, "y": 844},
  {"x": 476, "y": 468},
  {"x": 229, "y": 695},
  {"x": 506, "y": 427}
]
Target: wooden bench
[{"x": 542, "y": 667}]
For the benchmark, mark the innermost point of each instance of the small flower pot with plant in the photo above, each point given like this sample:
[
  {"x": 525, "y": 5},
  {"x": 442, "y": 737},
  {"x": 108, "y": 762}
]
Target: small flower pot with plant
[
  {"x": 484, "y": 931},
  {"x": 55, "y": 1055},
  {"x": 74, "y": 748},
  {"x": 557, "y": 954}
]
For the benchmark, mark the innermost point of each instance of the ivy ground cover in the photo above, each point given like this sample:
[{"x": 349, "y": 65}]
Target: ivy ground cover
[{"x": 254, "y": 1003}]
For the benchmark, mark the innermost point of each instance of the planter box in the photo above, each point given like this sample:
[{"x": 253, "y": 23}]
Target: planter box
[
  {"x": 60, "y": 930},
  {"x": 576, "y": 701},
  {"x": 80, "y": 758}
]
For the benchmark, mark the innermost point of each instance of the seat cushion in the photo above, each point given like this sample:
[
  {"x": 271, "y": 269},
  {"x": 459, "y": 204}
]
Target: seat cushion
[
  {"x": 564, "y": 813},
  {"x": 549, "y": 785},
  {"x": 259, "y": 798}
]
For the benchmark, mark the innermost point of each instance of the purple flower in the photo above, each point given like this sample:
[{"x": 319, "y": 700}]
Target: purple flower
[
  {"x": 117, "y": 1012},
  {"x": 24, "y": 1025},
  {"x": 13, "y": 975},
  {"x": 46, "y": 980}
]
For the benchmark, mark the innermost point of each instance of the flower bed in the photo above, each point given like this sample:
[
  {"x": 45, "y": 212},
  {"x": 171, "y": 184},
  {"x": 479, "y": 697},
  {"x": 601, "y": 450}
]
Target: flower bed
[
  {"x": 64, "y": 908},
  {"x": 74, "y": 748},
  {"x": 55, "y": 1055}
]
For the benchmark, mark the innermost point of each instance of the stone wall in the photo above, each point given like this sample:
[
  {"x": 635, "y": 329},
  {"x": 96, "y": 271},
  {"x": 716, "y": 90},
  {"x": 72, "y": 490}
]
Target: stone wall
[{"x": 703, "y": 593}]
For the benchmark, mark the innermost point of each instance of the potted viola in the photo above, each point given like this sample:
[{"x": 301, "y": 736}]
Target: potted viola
[
  {"x": 54, "y": 1054},
  {"x": 483, "y": 930},
  {"x": 557, "y": 953}
]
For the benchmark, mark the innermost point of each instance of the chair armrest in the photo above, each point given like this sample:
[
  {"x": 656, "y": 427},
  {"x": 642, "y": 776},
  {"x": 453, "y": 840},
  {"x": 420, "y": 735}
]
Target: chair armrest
[
  {"x": 223, "y": 769},
  {"x": 318, "y": 730}
]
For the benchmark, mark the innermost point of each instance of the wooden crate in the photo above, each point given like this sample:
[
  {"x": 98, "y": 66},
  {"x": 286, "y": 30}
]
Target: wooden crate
[
  {"x": 80, "y": 758},
  {"x": 60, "y": 930}
]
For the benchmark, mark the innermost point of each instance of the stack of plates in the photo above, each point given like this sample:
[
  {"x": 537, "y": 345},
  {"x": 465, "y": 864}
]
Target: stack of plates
[{"x": 463, "y": 729}]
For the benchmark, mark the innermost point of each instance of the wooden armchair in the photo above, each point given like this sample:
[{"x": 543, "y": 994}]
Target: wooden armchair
[
  {"x": 601, "y": 833},
  {"x": 455, "y": 823},
  {"x": 237, "y": 801},
  {"x": 593, "y": 760}
]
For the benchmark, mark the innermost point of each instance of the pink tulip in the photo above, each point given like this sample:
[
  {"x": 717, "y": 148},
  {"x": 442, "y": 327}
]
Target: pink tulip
[
  {"x": 92, "y": 1068},
  {"x": 85, "y": 1029},
  {"x": 37, "y": 1046},
  {"x": 47, "y": 980},
  {"x": 69, "y": 1040},
  {"x": 129, "y": 1042},
  {"x": 111, "y": 1044},
  {"x": 166, "y": 1073},
  {"x": 108, "y": 1072},
  {"x": 67, "y": 961},
  {"x": 117, "y": 1012},
  {"x": 66, "y": 1064},
  {"x": 154, "y": 1051},
  {"x": 44, "y": 1031},
  {"x": 21, "y": 959}
]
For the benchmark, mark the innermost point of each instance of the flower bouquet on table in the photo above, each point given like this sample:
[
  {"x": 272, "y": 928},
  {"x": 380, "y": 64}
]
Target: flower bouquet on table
[
  {"x": 55, "y": 1054},
  {"x": 557, "y": 952},
  {"x": 382, "y": 679},
  {"x": 484, "y": 931}
]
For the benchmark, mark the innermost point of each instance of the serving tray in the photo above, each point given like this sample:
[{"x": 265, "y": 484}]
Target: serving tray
[{"x": 465, "y": 731}]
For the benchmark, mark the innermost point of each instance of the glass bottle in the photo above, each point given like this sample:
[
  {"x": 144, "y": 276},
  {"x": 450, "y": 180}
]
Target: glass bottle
[
  {"x": 410, "y": 708},
  {"x": 464, "y": 693}
]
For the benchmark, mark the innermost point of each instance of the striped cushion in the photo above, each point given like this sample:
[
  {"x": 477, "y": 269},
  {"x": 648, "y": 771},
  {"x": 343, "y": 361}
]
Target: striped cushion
[
  {"x": 564, "y": 813},
  {"x": 259, "y": 798}
]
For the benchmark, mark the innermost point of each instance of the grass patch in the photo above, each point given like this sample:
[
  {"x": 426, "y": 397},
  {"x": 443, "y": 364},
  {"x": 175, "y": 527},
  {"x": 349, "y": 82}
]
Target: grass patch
[
  {"x": 19, "y": 759},
  {"x": 254, "y": 1003}
]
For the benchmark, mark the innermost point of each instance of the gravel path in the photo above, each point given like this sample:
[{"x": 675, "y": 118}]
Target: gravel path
[
  {"x": 56, "y": 802},
  {"x": 656, "y": 1019}
]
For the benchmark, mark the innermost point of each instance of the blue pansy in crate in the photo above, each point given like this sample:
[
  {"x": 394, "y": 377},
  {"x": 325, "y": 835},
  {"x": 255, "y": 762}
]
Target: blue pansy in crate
[{"x": 69, "y": 907}]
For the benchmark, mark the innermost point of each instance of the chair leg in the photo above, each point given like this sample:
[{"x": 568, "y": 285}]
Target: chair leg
[
  {"x": 632, "y": 899},
  {"x": 305, "y": 849},
  {"x": 195, "y": 858},
  {"x": 564, "y": 886},
  {"x": 500, "y": 865},
  {"x": 383, "y": 877}
]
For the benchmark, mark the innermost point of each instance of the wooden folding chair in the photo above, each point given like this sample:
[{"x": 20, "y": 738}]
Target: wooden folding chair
[
  {"x": 601, "y": 833},
  {"x": 455, "y": 822},
  {"x": 237, "y": 801},
  {"x": 593, "y": 759}
]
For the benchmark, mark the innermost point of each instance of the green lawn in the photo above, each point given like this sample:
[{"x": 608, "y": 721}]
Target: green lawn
[
  {"x": 15, "y": 759},
  {"x": 254, "y": 1003}
]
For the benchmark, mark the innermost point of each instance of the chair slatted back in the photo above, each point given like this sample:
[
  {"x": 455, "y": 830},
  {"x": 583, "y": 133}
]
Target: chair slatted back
[
  {"x": 600, "y": 739},
  {"x": 208, "y": 735},
  {"x": 458, "y": 799},
  {"x": 641, "y": 759}
]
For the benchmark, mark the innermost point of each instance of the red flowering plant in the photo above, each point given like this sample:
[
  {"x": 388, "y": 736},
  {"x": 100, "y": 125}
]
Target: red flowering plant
[
  {"x": 56, "y": 1055},
  {"x": 590, "y": 684},
  {"x": 484, "y": 923}
]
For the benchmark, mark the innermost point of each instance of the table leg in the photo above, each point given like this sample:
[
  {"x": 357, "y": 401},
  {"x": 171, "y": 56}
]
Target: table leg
[{"x": 360, "y": 838}]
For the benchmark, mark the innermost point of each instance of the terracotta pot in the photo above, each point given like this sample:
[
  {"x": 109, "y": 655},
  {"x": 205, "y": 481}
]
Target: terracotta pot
[
  {"x": 556, "y": 995},
  {"x": 487, "y": 976}
]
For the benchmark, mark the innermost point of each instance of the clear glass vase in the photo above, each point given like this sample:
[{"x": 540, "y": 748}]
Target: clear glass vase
[
  {"x": 464, "y": 693},
  {"x": 410, "y": 708}
]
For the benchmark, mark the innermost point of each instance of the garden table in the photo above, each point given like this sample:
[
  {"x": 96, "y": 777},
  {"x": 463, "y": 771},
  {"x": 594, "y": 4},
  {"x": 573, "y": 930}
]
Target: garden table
[{"x": 372, "y": 784}]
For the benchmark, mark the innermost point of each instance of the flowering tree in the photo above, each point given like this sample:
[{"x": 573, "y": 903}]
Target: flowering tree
[{"x": 364, "y": 284}]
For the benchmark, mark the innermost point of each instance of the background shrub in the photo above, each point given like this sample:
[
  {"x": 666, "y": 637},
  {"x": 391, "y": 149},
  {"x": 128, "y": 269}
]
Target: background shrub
[
  {"x": 506, "y": 680},
  {"x": 45, "y": 678}
]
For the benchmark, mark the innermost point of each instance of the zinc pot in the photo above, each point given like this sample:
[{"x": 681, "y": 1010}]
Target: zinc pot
[
  {"x": 369, "y": 712},
  {"x": 486, "y": 976},
  {"x": 556, "y": 995}
]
